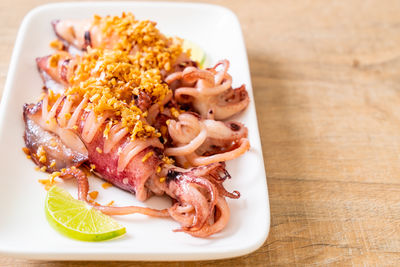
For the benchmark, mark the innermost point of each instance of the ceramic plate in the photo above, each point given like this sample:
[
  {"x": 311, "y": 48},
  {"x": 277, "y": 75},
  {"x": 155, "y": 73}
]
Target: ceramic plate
[{"x": 24, "y": 230}]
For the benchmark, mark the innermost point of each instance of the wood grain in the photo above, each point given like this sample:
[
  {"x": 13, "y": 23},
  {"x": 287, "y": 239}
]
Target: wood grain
[{"x": 326, "y": 78}]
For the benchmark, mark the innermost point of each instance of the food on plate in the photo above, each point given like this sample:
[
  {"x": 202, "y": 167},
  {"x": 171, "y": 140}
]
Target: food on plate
[{"x": 131, "y": 105}]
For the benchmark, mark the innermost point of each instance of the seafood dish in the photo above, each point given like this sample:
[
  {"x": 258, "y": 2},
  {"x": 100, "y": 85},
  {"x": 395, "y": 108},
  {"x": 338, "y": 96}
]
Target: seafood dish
[{"x": 127, "y": 103}]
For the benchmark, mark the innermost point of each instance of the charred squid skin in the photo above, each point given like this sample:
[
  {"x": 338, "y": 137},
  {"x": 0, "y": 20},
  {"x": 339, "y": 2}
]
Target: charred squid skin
[
  {"x": 56, "y": 77},
  {"x": 87, "y": 39},
  {"x": 53, "y": 149},
  {"x": 172, "y": 175},
  {"x": 54, "y": 25},
  {"x": 66, "y": 44}
]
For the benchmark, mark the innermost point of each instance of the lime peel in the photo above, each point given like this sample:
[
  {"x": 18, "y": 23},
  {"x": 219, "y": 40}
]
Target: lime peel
[
  {"x": 77, "y": 220},
  {"x": 196, "y": 52}
]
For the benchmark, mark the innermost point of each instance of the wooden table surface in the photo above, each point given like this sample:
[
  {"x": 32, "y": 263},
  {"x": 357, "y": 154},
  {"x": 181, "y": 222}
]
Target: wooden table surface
[{"x": 326, "y": 78}]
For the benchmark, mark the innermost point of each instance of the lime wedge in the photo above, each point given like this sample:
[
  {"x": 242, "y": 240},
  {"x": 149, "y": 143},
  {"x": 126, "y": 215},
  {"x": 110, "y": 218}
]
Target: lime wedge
[
  {"x": 76, "y": 219},
  {"x": 196, "y": 53}
]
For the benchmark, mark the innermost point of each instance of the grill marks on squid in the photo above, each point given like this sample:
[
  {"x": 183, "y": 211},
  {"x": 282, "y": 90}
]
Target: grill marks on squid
[{"x": 88, "y": 39}]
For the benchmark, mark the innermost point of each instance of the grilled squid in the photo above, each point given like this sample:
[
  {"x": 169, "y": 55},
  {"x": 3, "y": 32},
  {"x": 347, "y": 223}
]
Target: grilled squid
[
  {"x": 197, "y": 141},
  {"x": 129, "y": 164},
  {"x": 202, "y": 142},
  {"x": 83, "y": 33},
  {"x": 131, "y": 104},
  {"x": 56, "y": 70},
  {"x": 209, "y": 91}
]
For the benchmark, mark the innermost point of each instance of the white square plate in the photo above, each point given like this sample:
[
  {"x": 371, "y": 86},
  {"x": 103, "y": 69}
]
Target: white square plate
[{"x": 24, "y": 231}]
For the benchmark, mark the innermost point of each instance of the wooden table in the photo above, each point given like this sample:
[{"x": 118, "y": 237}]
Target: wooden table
[{"x": 326, "y": 77}]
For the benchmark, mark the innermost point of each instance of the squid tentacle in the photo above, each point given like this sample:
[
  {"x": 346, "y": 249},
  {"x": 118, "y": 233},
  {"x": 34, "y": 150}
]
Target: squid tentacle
[
  {"x": 191, "y": 135},
  {"x": 209, "y": 91},
  {"x": 83, "y": 189},
  {"x": 194, "y": 215},
  {"x": 219, "y": 224}
]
